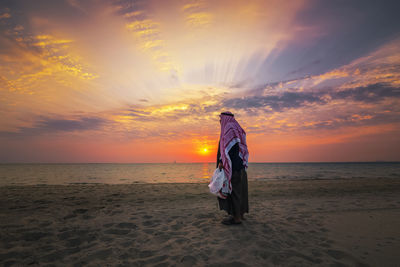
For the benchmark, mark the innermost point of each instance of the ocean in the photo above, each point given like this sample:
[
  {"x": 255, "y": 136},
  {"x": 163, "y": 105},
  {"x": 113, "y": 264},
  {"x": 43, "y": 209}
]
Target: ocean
[{"x": 110, "y": 173}]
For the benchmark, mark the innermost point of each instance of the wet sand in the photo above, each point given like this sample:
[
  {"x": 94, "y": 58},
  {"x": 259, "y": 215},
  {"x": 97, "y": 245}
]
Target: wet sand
[{"x": 291, "y": 223}]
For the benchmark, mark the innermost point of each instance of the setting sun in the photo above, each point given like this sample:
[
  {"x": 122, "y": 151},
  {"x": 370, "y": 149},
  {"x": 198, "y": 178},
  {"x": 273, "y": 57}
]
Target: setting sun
[
  {"x": 204, "y": 148},
  {"x": 205, "y": 151}
]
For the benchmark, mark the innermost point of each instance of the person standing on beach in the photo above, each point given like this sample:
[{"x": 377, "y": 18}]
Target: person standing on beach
[{"x": 233, "y": 156}]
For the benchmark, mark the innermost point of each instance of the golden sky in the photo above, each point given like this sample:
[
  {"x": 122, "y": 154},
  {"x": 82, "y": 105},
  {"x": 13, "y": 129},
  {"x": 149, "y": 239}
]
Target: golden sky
[{"x": 144, "y": 81}]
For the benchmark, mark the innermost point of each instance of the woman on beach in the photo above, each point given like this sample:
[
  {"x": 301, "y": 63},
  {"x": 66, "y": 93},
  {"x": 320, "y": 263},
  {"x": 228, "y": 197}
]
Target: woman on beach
[{"x": 233, "y": 156}]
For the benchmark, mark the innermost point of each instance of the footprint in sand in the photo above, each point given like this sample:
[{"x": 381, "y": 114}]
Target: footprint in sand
[
  {"x": 188, "y": 260},
  {"x": 148, "y": 231},
  {"x": 116, "y": 231},
  {"x": 177, "y": 226},
  {"x": 72, "y": 233},
  {"x": 116, "y": 212},
  {"x": 99, "y": 255},
  {"x": 70, "y": 216},
  {"x": 34, "y": 236},
  {"x": 336, "y": 254},
  {"x": 80, "y": 211},
  {"x": 74, "y": 242},
  {"x": 157, "y": 261},
  {"x": 127, "y": 225},
  {"x": 148, "y": 223},
  {"x": 221, "y": 252}
]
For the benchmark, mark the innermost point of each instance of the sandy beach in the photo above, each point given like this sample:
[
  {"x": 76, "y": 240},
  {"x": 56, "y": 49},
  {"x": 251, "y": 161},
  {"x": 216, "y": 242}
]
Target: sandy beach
[{"x": 291, "y": 223}]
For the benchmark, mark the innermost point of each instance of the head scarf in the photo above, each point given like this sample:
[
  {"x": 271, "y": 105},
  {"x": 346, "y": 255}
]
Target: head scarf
[{"x": 231, "y": 133}]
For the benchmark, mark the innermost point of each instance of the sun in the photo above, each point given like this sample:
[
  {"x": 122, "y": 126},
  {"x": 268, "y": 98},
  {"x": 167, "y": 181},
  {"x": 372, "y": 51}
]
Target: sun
[
  {"x": 203, "y": 147},
  {"x": 204, "y": 151}
]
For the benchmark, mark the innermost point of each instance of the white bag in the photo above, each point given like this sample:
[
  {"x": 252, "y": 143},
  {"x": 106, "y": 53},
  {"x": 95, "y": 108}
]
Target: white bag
[{"x": 217, "y": 181}]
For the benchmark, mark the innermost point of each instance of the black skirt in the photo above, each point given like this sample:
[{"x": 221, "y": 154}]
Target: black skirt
[{"x": 237, "y": 203}]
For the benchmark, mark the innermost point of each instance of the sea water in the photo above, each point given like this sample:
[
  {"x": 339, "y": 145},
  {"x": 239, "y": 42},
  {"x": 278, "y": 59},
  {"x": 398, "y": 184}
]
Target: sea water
[{"x": 109, "y": 173}]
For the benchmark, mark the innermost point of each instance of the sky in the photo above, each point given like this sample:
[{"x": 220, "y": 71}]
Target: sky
[{"x": 145, "y": 81}]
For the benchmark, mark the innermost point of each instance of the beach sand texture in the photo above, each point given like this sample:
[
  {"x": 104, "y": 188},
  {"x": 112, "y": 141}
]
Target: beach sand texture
[{"x": 291, "y": 223}]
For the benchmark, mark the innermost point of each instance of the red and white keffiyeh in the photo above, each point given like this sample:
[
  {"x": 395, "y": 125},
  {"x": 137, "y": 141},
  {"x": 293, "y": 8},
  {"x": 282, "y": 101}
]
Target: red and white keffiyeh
[{"x": 231, "y": 133}]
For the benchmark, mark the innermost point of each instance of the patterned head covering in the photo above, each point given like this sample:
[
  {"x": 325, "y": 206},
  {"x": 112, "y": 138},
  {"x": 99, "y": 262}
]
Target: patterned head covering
[{"x": 231, "y": 133}]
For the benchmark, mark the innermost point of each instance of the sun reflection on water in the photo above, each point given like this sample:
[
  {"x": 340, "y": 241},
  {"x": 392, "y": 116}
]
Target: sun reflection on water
[{"x": 205, "y": 171}]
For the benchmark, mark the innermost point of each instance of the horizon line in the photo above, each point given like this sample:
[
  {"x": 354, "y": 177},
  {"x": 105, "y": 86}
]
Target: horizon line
[{"x": 198, "y": 162}]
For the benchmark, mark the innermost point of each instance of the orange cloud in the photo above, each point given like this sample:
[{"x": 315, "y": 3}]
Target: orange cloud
[{"x": 5, "y": 16}]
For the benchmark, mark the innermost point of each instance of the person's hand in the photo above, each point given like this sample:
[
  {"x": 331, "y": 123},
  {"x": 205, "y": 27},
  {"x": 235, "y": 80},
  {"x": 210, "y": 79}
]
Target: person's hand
[{"x": 220, "y": 166}]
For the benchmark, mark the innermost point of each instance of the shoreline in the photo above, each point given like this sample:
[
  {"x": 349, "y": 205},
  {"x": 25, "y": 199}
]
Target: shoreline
[
  {"x": 296, "y": 222},
  {"x": 206, "y": 182},
  {"x": 207, "y": 162}
]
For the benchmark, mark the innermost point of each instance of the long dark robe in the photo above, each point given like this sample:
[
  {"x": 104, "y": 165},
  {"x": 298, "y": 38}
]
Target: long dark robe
[{"x": 237, "y": 203}]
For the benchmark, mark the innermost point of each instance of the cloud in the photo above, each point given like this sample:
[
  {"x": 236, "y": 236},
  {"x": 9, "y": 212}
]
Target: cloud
[
  {"x": 274, "y": 102},
  {"x": 331, "y": 34},
  {"x": 371, "y": 93},
  {"x": 378, "y": 67},
  {"x": 77, "y": 5},
  {"x": 199, "y": 19},
  {"x": 288, "y": 100},
  {"x": 58, "y": 125},
  {"x": 5, "y": 13},
  {"x": 5, "y": 16},
  {"x": 148, "y": 33},
  {"x": 82, "y": 124},
  {"x": 196, "y": 15},
  {"x": 33, "y": 59}
]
